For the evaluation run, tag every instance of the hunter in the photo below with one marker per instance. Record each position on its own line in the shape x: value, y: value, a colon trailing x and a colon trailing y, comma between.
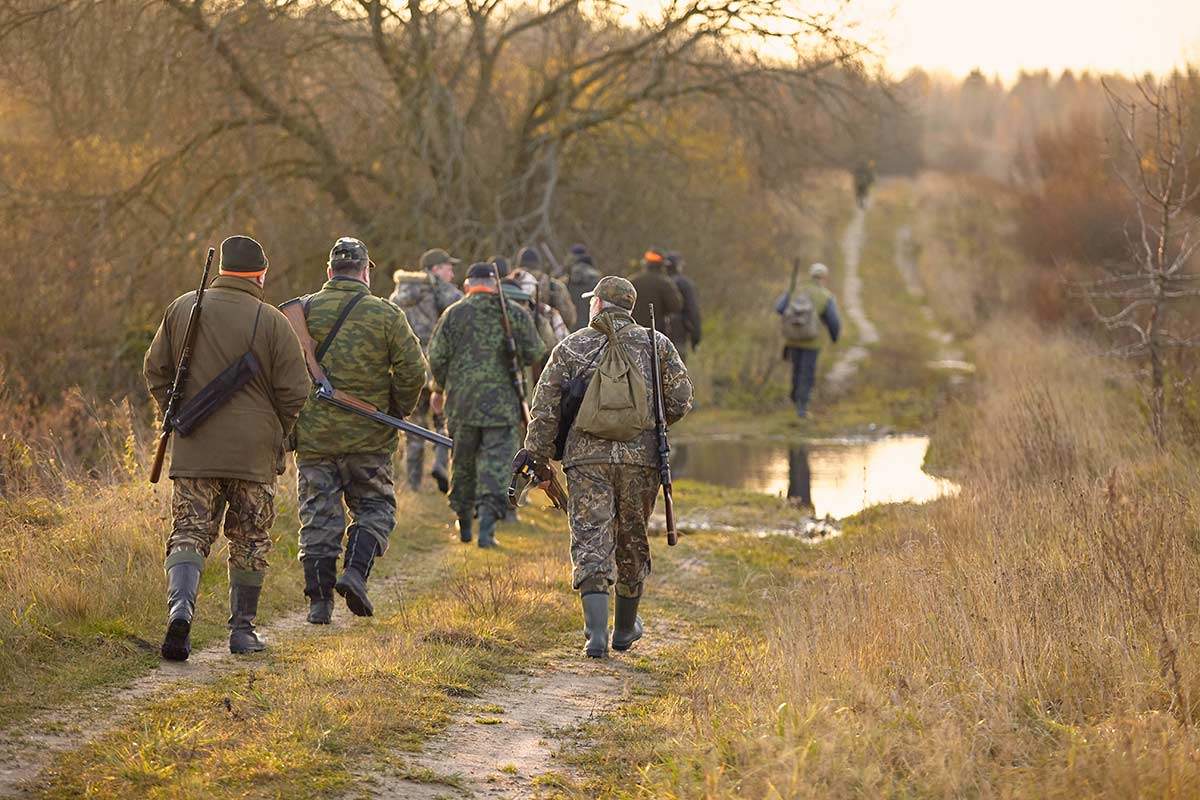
x: 655, y: 287
x: 582, y: 275
x: 423, y: 296
x: 344, y: 461
x: 803, y: 310
x: 684, y: 326
x: 613, y: 484
x: 550, y: 290
x: 470, y: 362
x: 227, y: 466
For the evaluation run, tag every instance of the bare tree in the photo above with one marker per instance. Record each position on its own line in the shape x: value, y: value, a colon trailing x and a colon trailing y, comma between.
x: 1160, y: 148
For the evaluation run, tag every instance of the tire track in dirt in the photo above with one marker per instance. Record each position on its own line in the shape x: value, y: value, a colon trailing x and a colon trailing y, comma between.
x: 30, y: 747
x: 950, y: 357
x: 842, y: 373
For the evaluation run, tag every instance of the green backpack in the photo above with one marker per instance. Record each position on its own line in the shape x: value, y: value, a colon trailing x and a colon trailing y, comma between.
x: 614, y: 406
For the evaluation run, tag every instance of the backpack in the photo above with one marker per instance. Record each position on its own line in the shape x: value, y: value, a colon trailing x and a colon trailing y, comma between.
x: 615, y: 405
x: 800, y: 319
x: 415, y: 295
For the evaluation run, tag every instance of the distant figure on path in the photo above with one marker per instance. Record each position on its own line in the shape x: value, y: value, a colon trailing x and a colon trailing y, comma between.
x: 803, y: 310
x: 582, y: 276
x: 864, y: 177
x: 684, y: 327
x: 228, y: 465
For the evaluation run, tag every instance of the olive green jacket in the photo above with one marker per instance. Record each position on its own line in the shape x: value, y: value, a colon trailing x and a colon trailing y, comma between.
x: 375, y: 357
x: 244, y: 438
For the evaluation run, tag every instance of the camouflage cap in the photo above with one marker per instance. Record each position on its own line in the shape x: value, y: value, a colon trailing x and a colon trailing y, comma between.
x: 616, y: 290
x: 241, y: 254
x: 431, y: 258
x: 347, y: 249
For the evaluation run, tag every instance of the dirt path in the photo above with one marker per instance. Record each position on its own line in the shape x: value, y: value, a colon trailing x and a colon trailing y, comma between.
x: 27, y: 749
x: 510, y: 740
x: 950, y: 357
x: 846, y: 367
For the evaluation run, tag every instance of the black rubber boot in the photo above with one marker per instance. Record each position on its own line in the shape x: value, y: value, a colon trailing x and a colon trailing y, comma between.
x: 487, y: 528
x: 465, y: 525
x: 627, y: 625
x: 243, y: 608
x: 319, y: 576
x: 441, y: 478
x: 183, y: 581
x: 360, y: 556
x: 595, y: 623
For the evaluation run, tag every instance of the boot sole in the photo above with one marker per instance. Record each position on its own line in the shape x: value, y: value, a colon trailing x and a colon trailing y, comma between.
x: 175, y: 645
x: 596, y: 653
x: 359, y: 606
x: 242, y: 651
x: 625, y: 646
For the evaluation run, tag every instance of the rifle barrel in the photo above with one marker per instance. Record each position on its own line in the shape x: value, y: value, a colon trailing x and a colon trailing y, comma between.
x: 182, y: 367
x: 660, y: 430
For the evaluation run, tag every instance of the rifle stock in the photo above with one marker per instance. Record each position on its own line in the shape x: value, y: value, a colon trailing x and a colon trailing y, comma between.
x: 660, y: 430
x: 182, y: 367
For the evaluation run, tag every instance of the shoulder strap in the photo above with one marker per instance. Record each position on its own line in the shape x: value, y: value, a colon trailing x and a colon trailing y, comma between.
x: 337, y: 326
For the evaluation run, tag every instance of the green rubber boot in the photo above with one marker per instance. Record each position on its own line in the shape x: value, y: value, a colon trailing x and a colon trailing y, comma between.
x: 595, y: 623
x: 627, y: 626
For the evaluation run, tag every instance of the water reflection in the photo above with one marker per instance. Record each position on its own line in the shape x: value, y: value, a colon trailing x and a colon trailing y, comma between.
x: 836, y: 479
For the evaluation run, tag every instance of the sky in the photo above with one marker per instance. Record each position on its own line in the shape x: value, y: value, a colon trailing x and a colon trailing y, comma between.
x: 1001, y: 37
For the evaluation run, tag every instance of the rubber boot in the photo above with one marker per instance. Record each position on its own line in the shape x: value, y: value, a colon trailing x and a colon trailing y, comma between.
x: 361, y: 548
x: 595, y: 623
x: 243, y: 608
x: 465, y: 524
x: 319, y: 576
x: 627, y: 625
x: 183, y: 581
x: 487, y: 528
x: 441, y: 478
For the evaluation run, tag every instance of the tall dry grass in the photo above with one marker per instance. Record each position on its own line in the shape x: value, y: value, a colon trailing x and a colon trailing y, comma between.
x: 1036, y: 635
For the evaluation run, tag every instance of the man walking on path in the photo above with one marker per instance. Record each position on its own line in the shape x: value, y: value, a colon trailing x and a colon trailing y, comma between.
x: 803, y: 310
x: 656, y: 288
x: 228, y: 465
x: 550, y: 290
x: 613, y: 485
x: 582, y: 275
x: 470, y: 363
x: 368, y: 350
x: 423, y: 296
x: 685, y: 326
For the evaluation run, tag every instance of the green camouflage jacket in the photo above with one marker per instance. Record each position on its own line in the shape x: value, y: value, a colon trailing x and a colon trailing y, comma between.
x: 468, y: 360
x: 580, y: 352
x: 375, y: 357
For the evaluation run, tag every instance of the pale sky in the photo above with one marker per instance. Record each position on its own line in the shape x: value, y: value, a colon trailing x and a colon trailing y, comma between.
x: 1002, y: 36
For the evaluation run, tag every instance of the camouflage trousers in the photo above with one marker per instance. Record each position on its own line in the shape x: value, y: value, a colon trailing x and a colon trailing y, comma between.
x: 609, y: 507
x: 481, y: 468
x: 197, y: 506
x: 328, y: 487
x: 414, y: 446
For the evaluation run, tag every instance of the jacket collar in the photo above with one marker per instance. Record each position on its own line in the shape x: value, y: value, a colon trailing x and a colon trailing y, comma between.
x: 342, y: 283
x: 237, y: 284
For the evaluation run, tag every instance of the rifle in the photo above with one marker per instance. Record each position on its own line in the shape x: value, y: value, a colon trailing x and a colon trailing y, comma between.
x: 181, y: 373
x: 556, y: 269
x: 527, y: 472
x: 660, y: 430
x: 294, y: 311
x: 510, y: 347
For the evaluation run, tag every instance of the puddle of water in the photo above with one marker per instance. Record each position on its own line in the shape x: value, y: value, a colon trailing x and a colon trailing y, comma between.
x: 836, y: 479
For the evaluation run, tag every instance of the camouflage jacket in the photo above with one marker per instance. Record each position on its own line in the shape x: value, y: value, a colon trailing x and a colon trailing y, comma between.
x: 469, y: 362
x: 423, y: 297
x: 580, y: 352
x: 375, y: 357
